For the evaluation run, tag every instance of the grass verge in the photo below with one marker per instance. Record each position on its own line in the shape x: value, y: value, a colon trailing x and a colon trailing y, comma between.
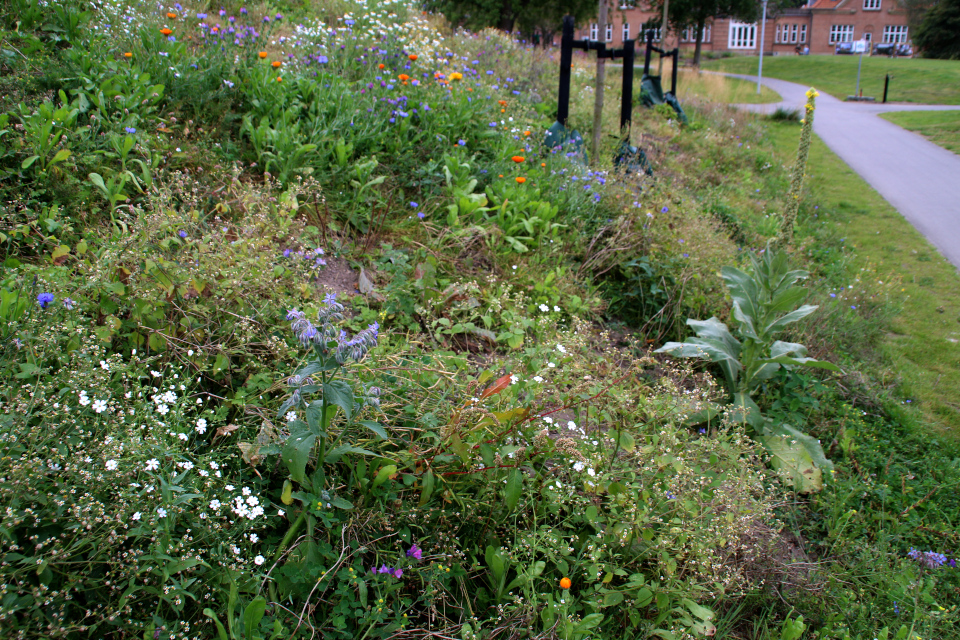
x: 921, y: 351
x: 939, y: 127
x: 912, y: 80
x: 712, y: 88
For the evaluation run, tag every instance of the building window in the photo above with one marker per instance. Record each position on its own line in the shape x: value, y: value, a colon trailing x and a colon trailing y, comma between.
x: 626, y: 31
x: 690, y: 34
x: 803, y: 33
x: 776, y: 38
x: 594, y: 32
x: 793, y: 33
x: 895, y: 34
x: 868, y: 37
x: 871, y: 5
x: 742, y: 35
x: 841, y: 33
x: 608, y: 33
x: 649, y: 28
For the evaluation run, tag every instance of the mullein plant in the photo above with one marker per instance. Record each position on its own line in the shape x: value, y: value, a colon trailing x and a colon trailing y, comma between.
x: 799, y: 171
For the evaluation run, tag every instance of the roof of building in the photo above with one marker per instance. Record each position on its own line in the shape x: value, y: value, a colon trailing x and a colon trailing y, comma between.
x: 826, y: 4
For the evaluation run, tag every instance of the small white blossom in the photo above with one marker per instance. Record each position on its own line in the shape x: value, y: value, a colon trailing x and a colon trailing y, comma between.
x: 514, y: 379
x: 578, y: 466
x: 111, y: 465
x: 162, y: 409
x: 152, y: 465
x: 544, y: 308
x: 291, y: 416
x: 105, y: 365
x: 259, y: 560
x: 162, y: 512
x: 561, y: 348
x: 537, y: 379
x: 201, y: 426
x: 215, y: 504
x: 137, y: 515
x: 254, y: 538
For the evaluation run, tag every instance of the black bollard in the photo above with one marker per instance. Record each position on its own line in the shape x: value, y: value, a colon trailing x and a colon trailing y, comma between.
x: 886, y: 85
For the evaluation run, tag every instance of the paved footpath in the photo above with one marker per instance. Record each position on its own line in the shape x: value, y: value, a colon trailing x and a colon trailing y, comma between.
x: 920, y: 179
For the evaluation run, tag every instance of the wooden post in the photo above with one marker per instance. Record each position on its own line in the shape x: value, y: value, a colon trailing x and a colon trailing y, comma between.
x: 566, y: 59
x: 663, y: 35
x: 598, y: 91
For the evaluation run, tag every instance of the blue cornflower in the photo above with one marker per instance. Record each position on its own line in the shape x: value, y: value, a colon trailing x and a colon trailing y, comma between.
x: 44, y: 299
x: 182, y: 233
x: 130, y: 130
x: 421, y: 215
x: 462, y: 143
x: 414, y: 205
x: 201, y: 16
x: 665, y: 209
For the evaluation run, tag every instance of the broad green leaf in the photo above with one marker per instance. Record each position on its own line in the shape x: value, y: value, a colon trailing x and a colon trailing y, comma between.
x: 613, y: 598
x: 221, y: 632
x: 513, y: 489
x: 339, y: 393
x: 28, y: 162
x: 253, y: 614
x: 375, y: 427
x: 296, y: 454
x: 811, y: 444
x: 589, y: 622
x: 62, y: 155
x: 334, y: 455
x: 384, y: 474
x: 793, y: 459
x: 428, y: 483
x: 699, y: 611
x: 789, y: 318
x: 745, y: 410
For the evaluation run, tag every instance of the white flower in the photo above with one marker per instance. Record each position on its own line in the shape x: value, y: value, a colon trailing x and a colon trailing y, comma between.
x: 201, y: 426
x: 551, y: 365
x: 105, y: 365
x: 561, y: 348
x: 256, y: 512
x: 214, y: 466
x: 591, y: 472
x: 537, y: 379
x: 514, y: 379
x: 111, y: 465
x: 548, y: 419
x: 259, y: 560
x: 190, y: 352
x: 137, y: 515
x: 544, y: 308
x: 245, y: 491
x: 235, y: 549
x: 204, y: 473
x: 162, y: 512
x: 162, y: 409
x: 84, y: 400
x: 291, y: 416
x: 556, y: 308
x: 155, y: 374
x: 571, y: 425
x: 127, y: 395
x: 185, y: 465
x: 254, y: 538
x: 214, y: 504
x: 229, y: 487
x: 280, y: 512
x: 183, y: 436
x: 152, y: 465
x: 578, y: 466
x: 253, y: 501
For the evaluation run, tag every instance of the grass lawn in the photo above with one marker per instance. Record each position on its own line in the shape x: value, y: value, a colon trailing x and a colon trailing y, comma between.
x: 940, y: 127
x: 922, y: 348
x: 913, y: 80
x: 713, y: 88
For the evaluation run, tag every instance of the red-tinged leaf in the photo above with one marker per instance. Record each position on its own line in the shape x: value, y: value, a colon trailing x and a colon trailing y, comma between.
x: 497, y: 387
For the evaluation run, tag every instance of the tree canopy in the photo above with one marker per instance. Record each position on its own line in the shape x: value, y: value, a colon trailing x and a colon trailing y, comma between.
x: 939, y: 34
x: 530, y: 17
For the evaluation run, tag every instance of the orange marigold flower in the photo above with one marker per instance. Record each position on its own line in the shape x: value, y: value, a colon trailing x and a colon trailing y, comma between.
x: 262, y: 54
x: 456, y: 75
x: 543, y: 164
x: 276, y: 64
x: 404, y: 77
x: 501, y: 175
x: 279, y: 79
x: 520, y: 179
x: 518, y: 159
x: 380, y: 66
x: 469, y: 88
x: 526, y: 133
x: 166, y: 31
x: 171, y: 15
x: 502, y: 103
x: 565, y: 583
x: 128, y: 55
x: 413, y: 57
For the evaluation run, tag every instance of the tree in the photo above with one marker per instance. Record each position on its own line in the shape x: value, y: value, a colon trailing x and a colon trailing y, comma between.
x: 939, y: 33
x: 541, y: 18
x: 695, y: 13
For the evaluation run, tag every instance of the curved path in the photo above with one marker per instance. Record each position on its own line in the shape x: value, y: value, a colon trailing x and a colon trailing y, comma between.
x: 920, y: 179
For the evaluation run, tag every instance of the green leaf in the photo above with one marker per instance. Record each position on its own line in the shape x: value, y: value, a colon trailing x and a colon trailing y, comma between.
x: 296, y: 454
x: 253, y: 614
x: 221, y: 632
x: 384, y: 474
x: 789, y: 318
x: 428, y: 483
x: 62, y: 155
x: 375, y: 427
x: 513, y: 489
x: 339, y: 393
x: 745, y: 410
x: 589, y: 622
x: 612, y: 599
x: 699, y: 611
x: 28, y: 162
x: 335, y: 454
x: 795, y: 460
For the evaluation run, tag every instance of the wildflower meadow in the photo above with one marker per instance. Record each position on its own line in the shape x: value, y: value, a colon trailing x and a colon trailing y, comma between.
x: 305, y: 333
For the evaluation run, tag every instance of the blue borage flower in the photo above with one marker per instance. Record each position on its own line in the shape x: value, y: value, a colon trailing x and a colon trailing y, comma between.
x: 327, y: 336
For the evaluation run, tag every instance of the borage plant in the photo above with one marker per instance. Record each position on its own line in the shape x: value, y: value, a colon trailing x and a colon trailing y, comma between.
x: 313, y: 439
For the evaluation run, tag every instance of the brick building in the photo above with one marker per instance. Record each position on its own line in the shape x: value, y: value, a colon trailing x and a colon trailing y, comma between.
x: 819, y: 26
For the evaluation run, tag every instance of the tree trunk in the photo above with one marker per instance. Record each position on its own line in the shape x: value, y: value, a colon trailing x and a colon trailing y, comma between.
x: 598, y: 90
x: 701, y: 23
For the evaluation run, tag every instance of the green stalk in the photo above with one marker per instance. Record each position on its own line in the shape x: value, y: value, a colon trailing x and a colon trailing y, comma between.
x: 796, y: 184
x: 291, y: 532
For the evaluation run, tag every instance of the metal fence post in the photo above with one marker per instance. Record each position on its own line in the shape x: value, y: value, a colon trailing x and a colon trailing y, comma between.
x: 566, y: 59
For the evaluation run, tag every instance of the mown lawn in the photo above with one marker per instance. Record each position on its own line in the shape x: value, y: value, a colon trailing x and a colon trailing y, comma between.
x: 939, y: 127
x: 912, y: 79
x: 922, y: 346
x: 714, y: 88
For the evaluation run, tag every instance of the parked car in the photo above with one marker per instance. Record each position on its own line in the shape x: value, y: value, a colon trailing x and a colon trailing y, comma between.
x: 893, y: 49
x: 844, y: 48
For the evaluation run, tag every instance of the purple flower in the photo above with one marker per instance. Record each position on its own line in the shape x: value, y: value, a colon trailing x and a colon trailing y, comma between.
x: 421, y: 215
x: 69, y: 303
x: 129, y: 129
x: 266, y: 18
x: 414, y: 205
x: 279, y: 16
x: 398, y: 573
x: 182, y: 233
x: 286, y: 253
x: 243, y: 11
x: 201, y: 16
x: 385, y: 569
x: 415, y: 552
x: 665, y: 209
x: 462, y: 143
x: 44, y: 299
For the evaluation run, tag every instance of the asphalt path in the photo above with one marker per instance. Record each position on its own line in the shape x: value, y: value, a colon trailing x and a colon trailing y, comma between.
x: 920, y: 179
